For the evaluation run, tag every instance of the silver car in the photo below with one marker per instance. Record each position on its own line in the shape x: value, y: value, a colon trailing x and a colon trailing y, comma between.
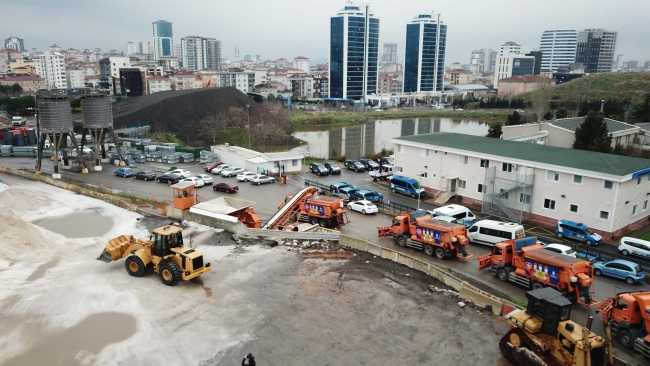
x: 260, y: 179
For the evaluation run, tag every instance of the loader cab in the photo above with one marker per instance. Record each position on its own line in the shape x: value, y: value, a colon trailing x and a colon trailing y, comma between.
x: 550, y: 306
x: 165, y: 238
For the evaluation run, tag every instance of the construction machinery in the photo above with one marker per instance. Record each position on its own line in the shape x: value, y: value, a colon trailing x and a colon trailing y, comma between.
x: 544, y: 335
x: 326, y: 211
x: 525, y: 262
x: 163, y: 252
x: 418, y: 230
x: 628, y: 316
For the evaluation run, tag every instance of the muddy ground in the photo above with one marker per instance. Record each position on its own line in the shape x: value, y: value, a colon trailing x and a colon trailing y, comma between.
x: 60, y: 306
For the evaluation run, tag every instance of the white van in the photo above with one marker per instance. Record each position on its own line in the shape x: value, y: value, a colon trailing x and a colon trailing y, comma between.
x: 634, y: 246
x: 491, y: 232
x: 456, y: 211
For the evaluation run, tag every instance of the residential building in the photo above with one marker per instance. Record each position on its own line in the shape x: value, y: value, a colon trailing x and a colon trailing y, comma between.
x: 301, y: 63
x: 93, y: 81
x: 7, y: 56
x: 459, y: 77
x: 632, y: 65
x: 157, y: 84
x: 617, y: 65
x: 558, y: 48
x: 260, y: 74
x: 523, y: 84
x: 354, y: 48
x: 519, y: 181
x: 244, y: 81
x: 29, y: 83
x: 321, y: 86
x: 595, y: 50
x: 14, y: 43
x: 184, y: 80
x: 455, y: 66
x: 130, y: 49
x: 390, y: 53
x: 266, y: 89
x: 75, y: 78
x: 511, y: 64
x: 424, y: 59
x: 561, y: 132
x: 51, y: 67
x: 486, y: 57
x: 145, y: 48
x: 192, y: 53
x: 510, y: 47
x: 303, y: 86
x: 163, y: 41
x: 387, y: 82
x: 211, y: 53
x: 132, y: 82
x: 114, y: 65
x: 538, y: 61
x: 54, y: 48
x: 169, y: 62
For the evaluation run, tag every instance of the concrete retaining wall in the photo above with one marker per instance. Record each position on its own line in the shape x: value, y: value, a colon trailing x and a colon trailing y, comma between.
x: 234, y: 227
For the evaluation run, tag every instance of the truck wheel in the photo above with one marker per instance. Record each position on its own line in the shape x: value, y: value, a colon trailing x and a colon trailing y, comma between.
x: 537, y: 286
x: 502, y: 274
x: 625, y: 338
x: 134, y: 266
x: 401, y: 241
x: 428, y: 250
x: 323, y: 223
x: 170, y: 274
x: 313, y: 220
x: 440, y: 254
x: 560, y: 235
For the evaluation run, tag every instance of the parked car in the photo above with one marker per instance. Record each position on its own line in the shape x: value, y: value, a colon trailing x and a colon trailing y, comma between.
x: 332, y: 167
x: 124, y: 172
x: 336, y: 187
x: 206, y: 178
x: 145, y: 175
x: 220, y: 168
x: 318, y: 169
x: 245, y: 176
x: 341, y: 195
x: 363, y: 206
x: 198, y: 182
x: 208, y: 168
x: 354, y: 165
x: 368, y: 195
x: 349, y: 190
x: 634, y: 246
x: 182, y: 173
x: 622, y: 269
x: 225, y: 187
x: 168, y: 178
x: 562, y: 249
x: 577, y: 231
x: 261, y: 179
x: 232, y: 172
x: 369, y: 164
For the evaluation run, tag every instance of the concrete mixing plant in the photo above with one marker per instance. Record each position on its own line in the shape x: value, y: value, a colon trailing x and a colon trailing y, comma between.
x: 98, y: 124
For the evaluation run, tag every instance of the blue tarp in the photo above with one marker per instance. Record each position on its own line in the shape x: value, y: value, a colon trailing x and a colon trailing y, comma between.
x: 525, y: 242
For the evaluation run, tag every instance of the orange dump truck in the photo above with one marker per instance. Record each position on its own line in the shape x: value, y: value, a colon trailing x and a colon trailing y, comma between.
x: 325, y: 211
x: 628, y: 315
x: 418, y: 230
x: 525, y: 262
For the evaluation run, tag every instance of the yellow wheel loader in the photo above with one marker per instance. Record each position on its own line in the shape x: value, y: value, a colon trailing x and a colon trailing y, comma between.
x: 544, y: 335
x: 163, y: 252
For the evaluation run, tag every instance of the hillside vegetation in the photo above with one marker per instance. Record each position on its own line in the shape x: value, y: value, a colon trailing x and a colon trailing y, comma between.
x: 299, y: 118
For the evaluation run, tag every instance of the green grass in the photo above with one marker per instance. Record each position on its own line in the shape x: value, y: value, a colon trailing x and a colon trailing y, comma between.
x: 645, y: 236
x: 138, y: 200
x: 166, y: 137
x: 306, y: 118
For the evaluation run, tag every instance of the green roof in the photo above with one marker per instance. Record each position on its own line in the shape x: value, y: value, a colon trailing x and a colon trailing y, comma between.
x: 570, y: 158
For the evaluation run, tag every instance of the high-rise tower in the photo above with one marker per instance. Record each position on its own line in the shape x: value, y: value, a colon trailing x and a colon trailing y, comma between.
x: 424, y: 59
x: 163, y: 41
x: 558, y: 48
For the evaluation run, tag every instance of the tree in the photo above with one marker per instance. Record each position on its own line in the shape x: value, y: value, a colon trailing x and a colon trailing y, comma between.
x: 548, y: 116
x: 642, y: 111
x: 17, y: 89
x: 561, y: 113
x: 541, y: 99
x: 294, y: 98
x: 592, y: 135
x: 514, y: 119
x: 494, y: 131
x: 619, y: 149
x: 270, y: 97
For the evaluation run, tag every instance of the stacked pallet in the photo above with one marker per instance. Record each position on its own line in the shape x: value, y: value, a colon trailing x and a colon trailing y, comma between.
x: 207, y: 157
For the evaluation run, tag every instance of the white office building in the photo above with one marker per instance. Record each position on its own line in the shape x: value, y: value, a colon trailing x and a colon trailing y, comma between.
x: 51, y: 67
x: 301, y: 63
x: 486, y: 57
x: 75, y: 78
x: 130, y: 49
x: 558, y: 48
x: 509, y: 47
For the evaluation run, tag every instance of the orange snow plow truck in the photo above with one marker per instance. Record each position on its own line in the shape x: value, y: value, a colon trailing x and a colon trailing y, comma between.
x: 418, y: 230
x: 525, y: 262
x: 628, y: 316
x: 326, y: 211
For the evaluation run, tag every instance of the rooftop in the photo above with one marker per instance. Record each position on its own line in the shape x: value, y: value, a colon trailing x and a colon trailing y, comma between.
x: 573, y: 123
x: 616, y: 165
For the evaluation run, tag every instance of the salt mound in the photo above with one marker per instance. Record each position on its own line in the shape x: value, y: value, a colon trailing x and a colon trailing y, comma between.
x: 20, y: 239
x: 22, y: 201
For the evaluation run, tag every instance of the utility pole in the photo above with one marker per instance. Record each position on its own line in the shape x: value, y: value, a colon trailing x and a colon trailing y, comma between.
x: 248, y: 126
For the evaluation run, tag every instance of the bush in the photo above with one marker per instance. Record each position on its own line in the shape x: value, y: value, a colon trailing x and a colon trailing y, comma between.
x: 341, y: 158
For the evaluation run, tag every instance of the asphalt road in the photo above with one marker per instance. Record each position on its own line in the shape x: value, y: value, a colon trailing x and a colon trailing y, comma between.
x: 268, y: 197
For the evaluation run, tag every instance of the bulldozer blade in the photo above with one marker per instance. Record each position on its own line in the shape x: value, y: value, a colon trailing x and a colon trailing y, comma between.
x: 527, y: 357
x: 105, y: 257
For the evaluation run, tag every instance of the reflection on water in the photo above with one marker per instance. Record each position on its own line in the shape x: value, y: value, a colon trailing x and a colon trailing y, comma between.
x: 371, y: 137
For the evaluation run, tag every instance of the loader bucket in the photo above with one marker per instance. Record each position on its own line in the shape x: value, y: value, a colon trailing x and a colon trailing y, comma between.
x: 105, y: 257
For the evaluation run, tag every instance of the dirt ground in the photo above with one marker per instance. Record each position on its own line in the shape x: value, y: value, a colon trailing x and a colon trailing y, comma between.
x: 60, y: 306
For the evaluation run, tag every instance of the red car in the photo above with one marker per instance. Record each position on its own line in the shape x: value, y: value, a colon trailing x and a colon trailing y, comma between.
x: 209, y: 167
x: 225, y: 187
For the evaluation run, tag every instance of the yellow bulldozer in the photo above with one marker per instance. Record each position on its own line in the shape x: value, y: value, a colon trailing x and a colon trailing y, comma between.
x: 163, y: 252
x: 544, y: 335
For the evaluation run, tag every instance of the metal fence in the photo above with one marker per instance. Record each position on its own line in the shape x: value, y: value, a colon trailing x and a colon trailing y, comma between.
x: 383, y: 205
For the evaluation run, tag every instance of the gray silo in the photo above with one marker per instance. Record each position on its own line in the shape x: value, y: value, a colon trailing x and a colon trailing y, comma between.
x: 98, y: 124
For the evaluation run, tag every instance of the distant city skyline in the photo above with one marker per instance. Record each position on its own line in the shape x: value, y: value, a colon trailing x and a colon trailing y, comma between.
x: 475, y: 27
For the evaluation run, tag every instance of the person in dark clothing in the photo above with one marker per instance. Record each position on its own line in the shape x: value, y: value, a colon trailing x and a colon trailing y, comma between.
x: 251, y: 360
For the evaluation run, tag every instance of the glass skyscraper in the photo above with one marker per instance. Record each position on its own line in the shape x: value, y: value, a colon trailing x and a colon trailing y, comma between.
x: 354, y: 53
x: 424, y: 60
x: 163, y: 41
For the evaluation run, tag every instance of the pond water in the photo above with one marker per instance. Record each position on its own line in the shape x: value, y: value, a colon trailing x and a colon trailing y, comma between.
x: 364, y: 139
x: 82, y: 224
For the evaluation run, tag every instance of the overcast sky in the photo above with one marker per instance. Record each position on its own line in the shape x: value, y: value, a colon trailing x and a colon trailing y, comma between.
x: 290, y: 28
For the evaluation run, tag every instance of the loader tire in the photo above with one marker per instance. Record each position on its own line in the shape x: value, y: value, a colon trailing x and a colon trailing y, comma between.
x: 170, y: 274
x: 134, y: 266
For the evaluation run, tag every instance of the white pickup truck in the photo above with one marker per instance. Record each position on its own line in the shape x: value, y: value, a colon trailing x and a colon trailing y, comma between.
x: 384, y: 172
x: 18, y: 121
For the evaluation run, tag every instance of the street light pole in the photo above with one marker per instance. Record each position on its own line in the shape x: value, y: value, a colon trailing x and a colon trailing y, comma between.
x: 249, y: 126
x: 420, y: 183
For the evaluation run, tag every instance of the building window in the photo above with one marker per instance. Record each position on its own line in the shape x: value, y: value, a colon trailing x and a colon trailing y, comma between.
x: 577, y: 179
x: 638, y: 181
x: 604, y: 215
x: 480, y: 188
x: 549, y: 204
x: 645, y: 205
x: 524, y: 198
x: 552, y: 175
x: 608, y: 185
x: 462, y: 184
x: 425, y: 153
x: 294, y: 162
x: 463, y: 159
x: 634, y: 209
x: 573, y: 208
x: 400, y: 148
x: 424, y: 174
x: 485, y: 163
x: 399, y: 169
x: 506, y: 167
